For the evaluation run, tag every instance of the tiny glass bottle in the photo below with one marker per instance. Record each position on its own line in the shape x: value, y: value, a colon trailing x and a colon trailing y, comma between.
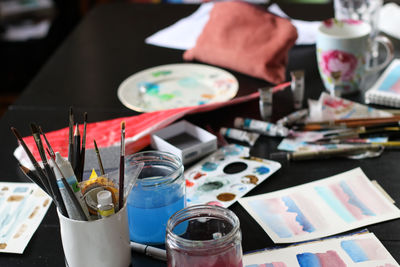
x: 105, y: 206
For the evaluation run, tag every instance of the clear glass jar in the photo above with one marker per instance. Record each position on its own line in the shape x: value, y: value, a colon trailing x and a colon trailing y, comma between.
x: 204, y: 236
x: 159, y: 192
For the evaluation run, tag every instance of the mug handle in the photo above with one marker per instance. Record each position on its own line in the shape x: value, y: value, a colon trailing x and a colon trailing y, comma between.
x: 389, y: 53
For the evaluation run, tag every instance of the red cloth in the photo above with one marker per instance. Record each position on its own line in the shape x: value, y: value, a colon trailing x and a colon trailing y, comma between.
x: 245, y: 38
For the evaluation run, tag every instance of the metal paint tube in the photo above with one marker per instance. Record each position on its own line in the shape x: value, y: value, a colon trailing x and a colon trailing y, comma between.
x: 67, y: 171
x: 293, y: 117
x: 265, y: 102
x: 240, y: 135
x: 262, y: 127
x: 297, y: 87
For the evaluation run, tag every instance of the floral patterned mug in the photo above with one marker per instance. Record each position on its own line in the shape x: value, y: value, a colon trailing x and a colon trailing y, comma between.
x: 343, y: 50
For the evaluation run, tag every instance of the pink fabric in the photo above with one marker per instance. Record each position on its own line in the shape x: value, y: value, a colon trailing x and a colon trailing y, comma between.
x: 247, y: 39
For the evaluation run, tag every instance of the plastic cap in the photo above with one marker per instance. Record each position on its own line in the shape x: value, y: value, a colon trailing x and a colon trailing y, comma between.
x: 238, y: 123
x: 104, y: 197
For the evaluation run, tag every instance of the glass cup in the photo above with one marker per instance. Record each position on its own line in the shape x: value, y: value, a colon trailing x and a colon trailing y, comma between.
x: 159, y: 192
x: 204, y: 236
x: 365, y: 10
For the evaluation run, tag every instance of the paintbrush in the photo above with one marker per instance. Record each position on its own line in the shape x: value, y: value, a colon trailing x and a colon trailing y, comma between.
x: 83, y: 148
x: 32, y: 176
x: 50, y: 174
x: 38, y: 169
x: 122, y: 167
x: 47, y: 142
x: 70, y: 137
x: 98, y: 158
x: 77, y: 151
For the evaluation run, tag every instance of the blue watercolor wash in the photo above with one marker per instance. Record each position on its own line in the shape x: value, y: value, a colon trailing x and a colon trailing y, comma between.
x: 202, y: 102
x: 355, y: 201
x: 262, y: 170
x: 308, y: 260
x: 390, y: 80
x: 151, y: 88
x: 335, y: 204
x: 273, y: 221
x: 188, y: 82
x: 355, y: 252
x: 209, y: 166
x: 300, y: 218
x: 21, y: 189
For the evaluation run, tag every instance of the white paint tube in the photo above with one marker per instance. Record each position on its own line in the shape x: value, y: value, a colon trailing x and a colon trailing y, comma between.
x: 240, y: 135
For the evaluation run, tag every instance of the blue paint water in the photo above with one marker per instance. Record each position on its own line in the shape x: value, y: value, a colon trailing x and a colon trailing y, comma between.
x: 355, y: 252
x: 149, y: 211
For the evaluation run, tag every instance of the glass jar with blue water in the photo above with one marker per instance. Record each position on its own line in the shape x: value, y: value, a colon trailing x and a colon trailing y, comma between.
x: 158, y: 193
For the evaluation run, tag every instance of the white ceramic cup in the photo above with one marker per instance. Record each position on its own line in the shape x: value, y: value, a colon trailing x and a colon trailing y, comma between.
x: 343, y: 48
x: 101, y: 243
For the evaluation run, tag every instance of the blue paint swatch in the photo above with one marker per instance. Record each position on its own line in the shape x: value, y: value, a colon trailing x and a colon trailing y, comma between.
x: 308, y: 260
x: 300, y: 218
x: 390, y: 80
x: 355, y: 252
x: 262, y: 170
x: 334, y: 203
x: 355, y: 201
x: 209, y: 166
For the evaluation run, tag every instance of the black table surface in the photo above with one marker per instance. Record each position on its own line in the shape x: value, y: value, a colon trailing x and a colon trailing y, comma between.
x: 107, y: 47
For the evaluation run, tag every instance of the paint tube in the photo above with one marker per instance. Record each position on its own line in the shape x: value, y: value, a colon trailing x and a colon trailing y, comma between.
x: 66, y: 171
x: 293, y: 117
x: 240, y: 135
x: 262, y: 127
x: 265, y: 102
x: 105, y: 206
x: 297, y: 87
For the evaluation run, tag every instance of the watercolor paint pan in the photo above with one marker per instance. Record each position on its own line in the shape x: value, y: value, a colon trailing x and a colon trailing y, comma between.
x: 226, y: 175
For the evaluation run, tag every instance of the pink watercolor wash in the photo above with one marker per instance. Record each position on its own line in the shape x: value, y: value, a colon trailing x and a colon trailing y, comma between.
x: 330, y: 258
x: 339, y: 65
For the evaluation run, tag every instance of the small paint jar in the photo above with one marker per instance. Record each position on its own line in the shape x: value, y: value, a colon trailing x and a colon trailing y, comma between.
x: 158, y: 193
x: 204, y: 236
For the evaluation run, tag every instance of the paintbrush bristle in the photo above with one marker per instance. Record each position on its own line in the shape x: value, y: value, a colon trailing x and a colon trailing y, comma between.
x: 123, y: 125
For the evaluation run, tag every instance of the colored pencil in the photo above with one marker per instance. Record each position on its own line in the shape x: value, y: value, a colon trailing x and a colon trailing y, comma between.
x: 122, y: 167
x: 98, y: 157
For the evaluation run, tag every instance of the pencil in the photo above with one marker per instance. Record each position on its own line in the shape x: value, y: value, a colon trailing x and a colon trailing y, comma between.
x: 98, y: 158
x: 122, y: 167
x: 355, y: 122
x: 38, y: 169
x: 70, y: 137
x: 77, y: 152
x: 83, y: 148
x: 50, y: 174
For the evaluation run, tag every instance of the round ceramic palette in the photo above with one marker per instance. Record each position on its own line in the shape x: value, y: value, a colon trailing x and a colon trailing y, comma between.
x: 226, y: 175
x: 176, y: 85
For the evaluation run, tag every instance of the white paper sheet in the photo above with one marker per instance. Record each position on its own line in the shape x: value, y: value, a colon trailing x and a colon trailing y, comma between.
x: 353, y: 250
x: 22, y: 208
x: 322, y: 208
x: 183, y: 34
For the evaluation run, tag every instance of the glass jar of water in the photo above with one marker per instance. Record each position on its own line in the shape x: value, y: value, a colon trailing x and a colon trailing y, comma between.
x: 204, y: 236
x: 158, y: 193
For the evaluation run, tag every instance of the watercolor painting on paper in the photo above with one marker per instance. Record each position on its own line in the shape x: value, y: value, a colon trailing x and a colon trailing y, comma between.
x: 322, y: 208
x: 350, y: 250
x: 22, y: 208
x: 225, y: 176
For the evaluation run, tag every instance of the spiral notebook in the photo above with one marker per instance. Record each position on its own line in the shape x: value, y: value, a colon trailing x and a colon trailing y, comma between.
x: 386, y: 90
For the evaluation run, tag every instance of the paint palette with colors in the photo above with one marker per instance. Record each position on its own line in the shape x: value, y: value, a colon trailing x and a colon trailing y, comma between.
x: 225, y: 176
